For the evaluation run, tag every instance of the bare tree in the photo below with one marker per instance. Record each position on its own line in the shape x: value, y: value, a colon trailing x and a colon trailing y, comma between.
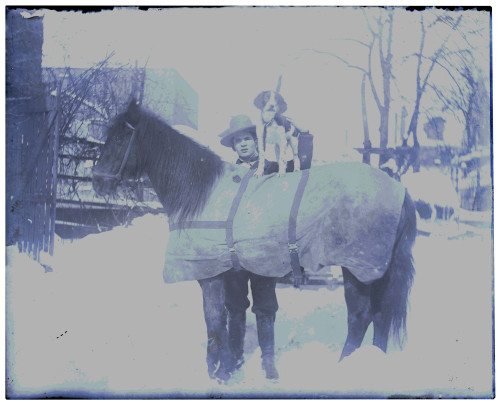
x: 379, y: 49
x: 423, y: 74
x: 467, y: 98
x: 367, y: 144
x: 384, y: 24
x: 89, y: 99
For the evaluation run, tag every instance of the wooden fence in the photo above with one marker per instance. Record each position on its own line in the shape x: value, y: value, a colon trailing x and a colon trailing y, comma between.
x: 31, y: 140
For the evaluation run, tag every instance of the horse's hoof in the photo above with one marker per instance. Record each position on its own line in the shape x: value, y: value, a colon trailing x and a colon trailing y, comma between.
x: 222, y: 375
x: 239, y: 363
x: 212, y: 367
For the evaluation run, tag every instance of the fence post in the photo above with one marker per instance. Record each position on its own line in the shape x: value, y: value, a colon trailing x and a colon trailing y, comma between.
x: 28, y: 158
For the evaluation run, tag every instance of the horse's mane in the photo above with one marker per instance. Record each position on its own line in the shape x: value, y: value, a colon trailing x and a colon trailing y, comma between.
x: 181, y: 170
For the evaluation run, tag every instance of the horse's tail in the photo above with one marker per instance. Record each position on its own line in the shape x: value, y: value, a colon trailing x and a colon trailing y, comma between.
x: 398, y: 279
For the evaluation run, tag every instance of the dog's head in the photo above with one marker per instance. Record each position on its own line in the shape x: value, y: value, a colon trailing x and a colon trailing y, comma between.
x: 271, y: 103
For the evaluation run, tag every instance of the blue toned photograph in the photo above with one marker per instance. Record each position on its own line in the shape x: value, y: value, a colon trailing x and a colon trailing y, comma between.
x: 249, y: 202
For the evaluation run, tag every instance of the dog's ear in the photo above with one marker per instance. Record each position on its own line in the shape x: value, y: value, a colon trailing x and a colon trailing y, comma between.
x: 281, y: 103
x: 261, y: 100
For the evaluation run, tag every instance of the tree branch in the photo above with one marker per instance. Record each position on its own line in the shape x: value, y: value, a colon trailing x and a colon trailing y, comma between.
x: 337, y: 57
x: 351, y: 40
x: 370, y: 78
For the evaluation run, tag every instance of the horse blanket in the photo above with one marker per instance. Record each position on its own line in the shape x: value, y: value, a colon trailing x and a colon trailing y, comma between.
x: 348, y: 216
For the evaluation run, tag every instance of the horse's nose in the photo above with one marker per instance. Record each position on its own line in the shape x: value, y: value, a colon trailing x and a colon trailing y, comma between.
x: 102, y: 187
x: 97, y: 184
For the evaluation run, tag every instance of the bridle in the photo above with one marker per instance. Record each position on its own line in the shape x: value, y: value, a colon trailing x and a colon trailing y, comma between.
x: 118, y: 175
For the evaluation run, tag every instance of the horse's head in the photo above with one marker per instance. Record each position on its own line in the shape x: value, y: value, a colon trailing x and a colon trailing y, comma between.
x: 181, y: 171
x: 119, y: 157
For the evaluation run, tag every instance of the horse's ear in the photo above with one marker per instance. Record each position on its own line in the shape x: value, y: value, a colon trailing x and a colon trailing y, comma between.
x: 132, y: 105
x: 133, y: 110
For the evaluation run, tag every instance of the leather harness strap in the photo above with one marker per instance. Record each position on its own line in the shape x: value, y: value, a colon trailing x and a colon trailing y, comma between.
x: 118, y: 175
x: 222, y: 224
x: 228, y: 225
x: 292, y: 230
x: 230, y: 218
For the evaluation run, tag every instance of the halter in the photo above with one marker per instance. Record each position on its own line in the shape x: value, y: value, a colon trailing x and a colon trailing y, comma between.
x: 118, y: 175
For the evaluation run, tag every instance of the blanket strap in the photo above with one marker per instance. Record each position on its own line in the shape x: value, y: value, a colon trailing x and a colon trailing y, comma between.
x: 292, y: 230
x: 221, y: 224
x: 228, y: 225
x: 230, y: 218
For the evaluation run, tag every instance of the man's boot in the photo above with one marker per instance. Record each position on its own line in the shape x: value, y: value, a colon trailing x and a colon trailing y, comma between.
x: 223, y: 373
x: 265, y: 333
x: 212, y: 357
x: 236, y: 331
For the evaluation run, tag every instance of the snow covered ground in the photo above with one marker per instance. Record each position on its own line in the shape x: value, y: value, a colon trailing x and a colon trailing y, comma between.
x: 103, y: 324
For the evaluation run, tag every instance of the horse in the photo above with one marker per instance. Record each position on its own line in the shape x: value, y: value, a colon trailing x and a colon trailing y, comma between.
x: 221, y: 216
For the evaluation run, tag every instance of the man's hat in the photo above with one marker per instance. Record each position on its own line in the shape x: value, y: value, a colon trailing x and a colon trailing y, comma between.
x: 238, y: 123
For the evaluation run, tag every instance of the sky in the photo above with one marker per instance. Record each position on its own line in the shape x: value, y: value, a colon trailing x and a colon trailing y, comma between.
x: 228, y: 55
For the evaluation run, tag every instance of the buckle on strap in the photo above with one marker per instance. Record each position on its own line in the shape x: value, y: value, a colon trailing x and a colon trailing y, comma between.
x: 232, y: 250
x: 293, y: 247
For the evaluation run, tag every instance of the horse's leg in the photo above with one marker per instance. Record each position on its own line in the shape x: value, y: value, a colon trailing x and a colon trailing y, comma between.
x: 215, y: 319
x: 390, y: 293
x: 381, y: 322
x: 357, y: 297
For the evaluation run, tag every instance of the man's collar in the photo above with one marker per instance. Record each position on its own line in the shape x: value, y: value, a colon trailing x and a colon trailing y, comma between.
x: 251, y: 161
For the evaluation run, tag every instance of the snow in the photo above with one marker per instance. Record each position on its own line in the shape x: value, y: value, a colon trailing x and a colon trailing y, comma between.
x: 103, y: 324
x: 433, y: 187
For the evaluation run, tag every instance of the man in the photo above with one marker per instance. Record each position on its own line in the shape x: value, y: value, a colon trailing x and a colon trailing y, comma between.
x: 241, y: 137
x: 243, y: 131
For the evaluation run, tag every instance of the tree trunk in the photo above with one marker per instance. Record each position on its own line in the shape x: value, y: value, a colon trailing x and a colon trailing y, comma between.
x: 413, y: 130
x: 386, y: 65
x: 384, y: 133
x: 366, y: 132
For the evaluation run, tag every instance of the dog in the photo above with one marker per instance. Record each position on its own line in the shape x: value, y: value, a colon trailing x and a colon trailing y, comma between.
x: 274, y: 128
